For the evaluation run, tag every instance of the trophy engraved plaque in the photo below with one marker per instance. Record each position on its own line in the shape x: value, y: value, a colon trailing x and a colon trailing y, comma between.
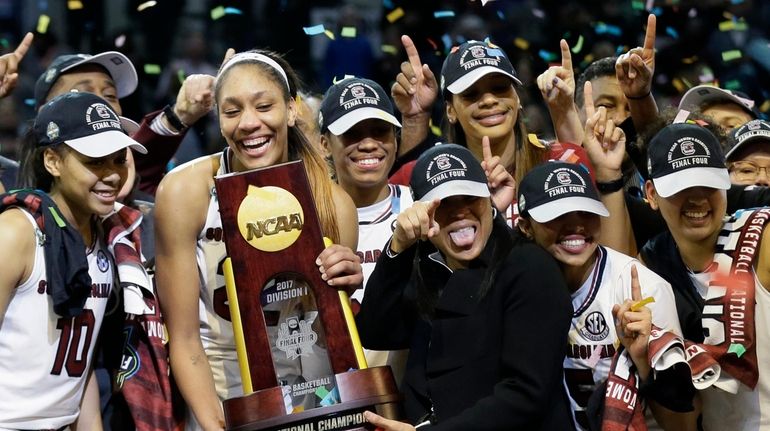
x: 302, y: 365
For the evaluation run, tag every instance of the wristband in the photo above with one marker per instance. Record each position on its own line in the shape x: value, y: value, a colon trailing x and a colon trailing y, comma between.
x: 175, y: 122
x: 639, y: 97
x: 610, y: 187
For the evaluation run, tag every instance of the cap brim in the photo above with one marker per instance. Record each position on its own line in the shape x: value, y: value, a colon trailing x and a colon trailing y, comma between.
x: 471, y: 77
x: 457, y: 188
x: 693, y: 100
x: 344, y: 123
x: 671, y: 184
x: 123, y: 74
x: 129, y: 125
x: 104, y: 144
x: 554, y: 209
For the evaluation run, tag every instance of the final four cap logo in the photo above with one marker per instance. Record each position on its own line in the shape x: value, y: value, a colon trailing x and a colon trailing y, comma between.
x: 270, y: 218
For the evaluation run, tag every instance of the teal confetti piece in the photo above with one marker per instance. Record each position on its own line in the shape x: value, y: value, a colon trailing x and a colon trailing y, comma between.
x: 314, y: 30
x: 4, y: 42
x: 547, y: 56
x: 637, y: 5
x: 233, y: 11
x: 388, y: 4
x: 738, y: 349
x: 321, y: 392
x: 443, y: 14
x: 603, y: 28
x: 671, y: 31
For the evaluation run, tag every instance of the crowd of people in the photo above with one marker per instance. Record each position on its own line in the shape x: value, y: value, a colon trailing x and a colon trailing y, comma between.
x: 614, y: 277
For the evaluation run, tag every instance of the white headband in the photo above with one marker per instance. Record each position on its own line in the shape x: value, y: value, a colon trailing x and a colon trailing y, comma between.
x: 255, y: 56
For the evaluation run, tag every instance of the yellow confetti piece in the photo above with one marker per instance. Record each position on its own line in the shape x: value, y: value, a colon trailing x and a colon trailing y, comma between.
x: 152, y: 69
x: 765, y: 106
x: 436, y: 130
x: 687, y: 82
x: 636, y: 306
x: 520, y: 43
x: 74, y: 5
x: 534, y: 140
x: 146, y: 5
x: 733, y: 54
x: 217, y: 12
x: 42, y: 23
x: 677, y: 83
x: 389, y: 49
x: 690, y: 60
x: 395, y: 15
x: 726, y: 25
x: 348, y: 32
x: 329, y: 34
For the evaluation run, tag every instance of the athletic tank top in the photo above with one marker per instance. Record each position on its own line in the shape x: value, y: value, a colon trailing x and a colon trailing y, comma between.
x: 44, y: 359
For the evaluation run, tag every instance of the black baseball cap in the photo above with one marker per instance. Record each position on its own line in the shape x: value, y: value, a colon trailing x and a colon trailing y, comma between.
x: 685, y: 155
x: 695, y: 98
x: 471, y: 61
x: 352, y: 100
x: 446, y: 170
x: 552, y: 189
x: 83, y: 121
x: 119, y: 67
x: 752, y: 131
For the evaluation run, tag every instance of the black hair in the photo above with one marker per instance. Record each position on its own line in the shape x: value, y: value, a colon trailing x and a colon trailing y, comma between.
x: 598, y: 69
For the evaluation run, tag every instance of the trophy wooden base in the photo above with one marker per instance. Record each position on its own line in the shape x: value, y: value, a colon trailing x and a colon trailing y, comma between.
x: 371, y: 389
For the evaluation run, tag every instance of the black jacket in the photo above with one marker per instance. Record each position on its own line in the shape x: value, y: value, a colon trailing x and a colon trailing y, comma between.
x: 491, y: 362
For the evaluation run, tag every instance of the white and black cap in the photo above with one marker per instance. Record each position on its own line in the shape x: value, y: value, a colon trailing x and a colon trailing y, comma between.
x: 702, y: 95
x: 85, y: 122
x: 553, y: 189
x: 446, y: 170
x: 685, y: 155
x: 352, y: 100
x: 750, y: 132
x: 470, y: 62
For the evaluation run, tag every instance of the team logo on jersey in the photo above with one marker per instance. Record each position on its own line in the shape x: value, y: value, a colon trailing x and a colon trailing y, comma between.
x: 595, y: 327
x: 270, y: 218
x: 296, y: 338
x: 101, y: 261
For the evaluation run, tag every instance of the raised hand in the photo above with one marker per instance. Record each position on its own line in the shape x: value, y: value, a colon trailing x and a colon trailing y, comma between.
x: 635, y: 68
x: 195, y: 98
x: 557, y: 84
x: 633, y: 327
x: 417, y: 222
x: 500, y: 181
x: 340, y: 267
x: 603, y: 140
x: 415, y: 89
x: 9, y: 66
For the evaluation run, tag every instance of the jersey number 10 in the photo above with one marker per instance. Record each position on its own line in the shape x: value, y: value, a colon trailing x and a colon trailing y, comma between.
x: 75, y: 340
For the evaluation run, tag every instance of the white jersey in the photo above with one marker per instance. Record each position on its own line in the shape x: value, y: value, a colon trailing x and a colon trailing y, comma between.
x: 592, y: 340
x: 375, y: 227
x: 747, y: 410
x: 45, y: 359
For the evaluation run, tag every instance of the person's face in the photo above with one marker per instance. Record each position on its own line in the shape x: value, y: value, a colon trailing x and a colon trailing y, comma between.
x: 728, y: 115
x: 465, y: 225
x: 751, y: 166
x: 254, y: 117
x: 694, y: 214
x: 571, y: 238
x: 88, y: 185
x: 607, y: 94
x: 364, y: 154
x: 489, y: 107
x: 89, y: 78
x: 128, y: 186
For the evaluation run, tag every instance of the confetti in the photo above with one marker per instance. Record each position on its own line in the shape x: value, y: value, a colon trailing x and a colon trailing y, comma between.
x: 146, y: 5
x: 636, y: 306
x: 233, y: 11
x: 348, y: 32
x: 637, y: 5
x: 501, y: 15
x: 42, y: 23
x: 534, y: 140
x: 736, y: 1
x: 388, y: 4
x: 733, y: 84
x: 731, y: 55
x: 329, y: 34
x: 395, y: 15
x: 765, y: 106
x: 707, y: 75
x: 29, y: 102
x: 314, y: 30
x: 677, y: 83
x: 74, y: 5
x: 578, y: 46
x: 389, y: 49
x: 736, y: 348
x: 4, y: 42
x: 436, y: 130
x: 152, y: 69
x: 602, y: 28
x: 692, y: 13
x: 180, y: 75
x: 690, y: 60
x: 671, y: 31
x: 447, y: 41
x: 547, y: 56
x: 433, y: 44
x: 520, y: 43
x: 443, y: 14
x: 217, y: 12
x: 120, y: 41
x: 649, y: 5
x: 538, y: 13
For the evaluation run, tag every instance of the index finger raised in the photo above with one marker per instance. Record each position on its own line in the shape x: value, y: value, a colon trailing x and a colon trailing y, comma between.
x: 588, y: 99
x: 412, y: 55
x: 566, y: 55
x: 649, y: 36
x: 486, y: 150
x: 636, y: 288
x: 24, y: 45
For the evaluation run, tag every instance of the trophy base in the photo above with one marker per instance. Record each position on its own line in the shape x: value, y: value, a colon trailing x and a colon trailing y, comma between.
x: 372, y: 389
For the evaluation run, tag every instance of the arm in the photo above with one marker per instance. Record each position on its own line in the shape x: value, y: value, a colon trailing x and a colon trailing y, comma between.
x: 414, y: 93
x: 634, y: 71
x: 90, y: 417
x: 339, y: 265
x: 557, y: 86
x: 16, y: 255
x: 180, y: 213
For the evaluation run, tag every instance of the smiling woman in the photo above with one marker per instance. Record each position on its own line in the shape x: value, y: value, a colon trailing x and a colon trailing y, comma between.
x: 255, y: 95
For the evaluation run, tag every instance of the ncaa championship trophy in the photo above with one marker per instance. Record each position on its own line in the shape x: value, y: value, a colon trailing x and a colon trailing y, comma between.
x: 301, y: 361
